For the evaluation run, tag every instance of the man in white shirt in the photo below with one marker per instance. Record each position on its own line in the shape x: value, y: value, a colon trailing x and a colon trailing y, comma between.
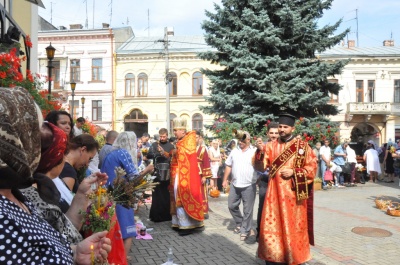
x: 325, y: 154
x: 242, y: 187
x: 78, y: 126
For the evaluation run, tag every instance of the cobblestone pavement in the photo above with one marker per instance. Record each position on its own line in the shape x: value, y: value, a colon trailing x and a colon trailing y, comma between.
x: 336, y: 213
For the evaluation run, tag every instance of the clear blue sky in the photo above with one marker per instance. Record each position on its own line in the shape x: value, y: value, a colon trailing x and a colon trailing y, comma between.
x: 377, y: 19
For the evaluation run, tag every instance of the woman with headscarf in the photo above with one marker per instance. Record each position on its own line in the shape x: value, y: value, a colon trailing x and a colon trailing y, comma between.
x: 45, y: 195
x: 124, y: 156
x: 230, y: 146
x: 28, y: 237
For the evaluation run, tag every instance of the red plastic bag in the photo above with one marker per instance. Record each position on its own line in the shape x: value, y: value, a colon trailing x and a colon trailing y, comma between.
x: 117, y: 254
x: 328, y: 175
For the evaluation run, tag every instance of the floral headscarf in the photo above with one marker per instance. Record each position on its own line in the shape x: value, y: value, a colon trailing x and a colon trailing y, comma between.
x: 127, y: 141
x: 19, y: 138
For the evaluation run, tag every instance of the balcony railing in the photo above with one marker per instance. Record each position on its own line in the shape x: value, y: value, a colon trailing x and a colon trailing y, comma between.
x: 370, y: 108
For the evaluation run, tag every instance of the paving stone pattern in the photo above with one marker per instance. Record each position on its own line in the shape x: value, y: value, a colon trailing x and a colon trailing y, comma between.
x: 336, y: 213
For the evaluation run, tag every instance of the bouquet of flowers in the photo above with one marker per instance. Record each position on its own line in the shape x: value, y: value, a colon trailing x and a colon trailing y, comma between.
x: 360, y: 168
x: 99, y: 213
x: 125, y: 191
x: 392, y: 149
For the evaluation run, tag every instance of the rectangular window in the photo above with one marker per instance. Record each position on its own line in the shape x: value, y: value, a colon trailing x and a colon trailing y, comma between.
x: 75, y: 70
x: 142, y: 87
x: 359, y: 91
x: 173, y: 87
x: 97, y: 69
x: 197, y: 83
x: 55, y: 75
x: 129, y: 87
x: 97, y: 110
x: 334, y: 98
x: 397, y: 90
x: 371, y: 90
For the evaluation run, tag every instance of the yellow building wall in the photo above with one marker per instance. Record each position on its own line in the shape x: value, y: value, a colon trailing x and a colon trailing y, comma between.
x: 25, y: 14
x: 154, y: 105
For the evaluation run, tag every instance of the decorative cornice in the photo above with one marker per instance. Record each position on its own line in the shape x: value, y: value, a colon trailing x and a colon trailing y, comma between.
x: 154, y: 57
x: 74, y: 37
x: 97, y: 51
x: 74, y: 52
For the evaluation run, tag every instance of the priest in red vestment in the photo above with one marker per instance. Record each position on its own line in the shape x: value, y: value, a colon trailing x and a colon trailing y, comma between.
x: 286, y: 230
x: 204, y: 169
x: 185, y: 189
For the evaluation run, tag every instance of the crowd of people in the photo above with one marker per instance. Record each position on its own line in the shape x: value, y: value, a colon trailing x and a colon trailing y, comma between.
x: 48, y: 168
x: 347, y: 168
x: 42, y: 161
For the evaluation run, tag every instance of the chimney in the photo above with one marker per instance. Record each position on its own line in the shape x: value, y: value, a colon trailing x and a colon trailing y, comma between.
x: 351, y: 43
x: 62, y: 28
x: 169, y: 31
x: 75, y: 26
x: 106, y: 25
x: 388, y: 43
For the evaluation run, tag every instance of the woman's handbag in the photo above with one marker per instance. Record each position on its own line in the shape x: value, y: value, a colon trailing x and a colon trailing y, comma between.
x: 346, y: 169
x: 328, y: 175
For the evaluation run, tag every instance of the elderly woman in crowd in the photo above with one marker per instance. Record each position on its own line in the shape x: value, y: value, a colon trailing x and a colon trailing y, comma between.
x: 124, y: 156
x: 28, y: 237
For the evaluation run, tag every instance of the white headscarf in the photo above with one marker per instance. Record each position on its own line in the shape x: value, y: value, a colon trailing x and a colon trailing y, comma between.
x: 127, y: 141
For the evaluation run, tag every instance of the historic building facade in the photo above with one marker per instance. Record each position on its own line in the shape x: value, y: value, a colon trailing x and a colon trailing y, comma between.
x: 86, y: 57
x: 141, y: 96
x: 369, y: 101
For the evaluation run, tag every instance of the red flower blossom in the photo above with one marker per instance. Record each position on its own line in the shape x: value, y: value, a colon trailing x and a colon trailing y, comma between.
x: 28, y: 41
x: 10, y: 76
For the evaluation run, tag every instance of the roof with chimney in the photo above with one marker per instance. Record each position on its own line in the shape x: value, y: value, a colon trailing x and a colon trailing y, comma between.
x: 387, y: 50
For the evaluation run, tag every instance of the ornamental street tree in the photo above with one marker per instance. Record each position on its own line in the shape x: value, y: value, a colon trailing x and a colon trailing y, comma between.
x: 267, y: 49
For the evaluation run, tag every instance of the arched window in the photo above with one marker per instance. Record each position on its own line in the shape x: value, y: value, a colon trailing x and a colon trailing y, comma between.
x: 129, y: 85
x: 197, y: 81
x: 173, y: 84
x: 171, y: 117
x: 136, y: 121
x: 142, y: 85
x: 197, y: 122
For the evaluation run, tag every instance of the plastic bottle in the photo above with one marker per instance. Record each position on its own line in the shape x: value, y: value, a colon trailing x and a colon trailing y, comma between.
x: 170, y: 257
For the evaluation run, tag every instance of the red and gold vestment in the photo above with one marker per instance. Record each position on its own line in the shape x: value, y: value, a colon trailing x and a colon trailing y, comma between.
x: 184, y: 164
x: 284, y: 232
x: 203, y: 162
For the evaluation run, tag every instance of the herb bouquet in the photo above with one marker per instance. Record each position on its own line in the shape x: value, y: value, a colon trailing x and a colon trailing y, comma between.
x: 100, y: 212
x: 126, y: 191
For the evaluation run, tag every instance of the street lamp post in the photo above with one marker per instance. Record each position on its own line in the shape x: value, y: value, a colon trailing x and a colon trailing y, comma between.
x: 50, y: 50
x: 83, y: 106
x: 73, y: 85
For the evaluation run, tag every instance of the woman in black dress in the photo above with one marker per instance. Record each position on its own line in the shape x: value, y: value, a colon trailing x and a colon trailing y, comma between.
x: 388, y: 161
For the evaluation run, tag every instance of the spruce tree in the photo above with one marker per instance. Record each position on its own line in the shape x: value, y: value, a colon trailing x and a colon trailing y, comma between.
x: 267, y: 49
